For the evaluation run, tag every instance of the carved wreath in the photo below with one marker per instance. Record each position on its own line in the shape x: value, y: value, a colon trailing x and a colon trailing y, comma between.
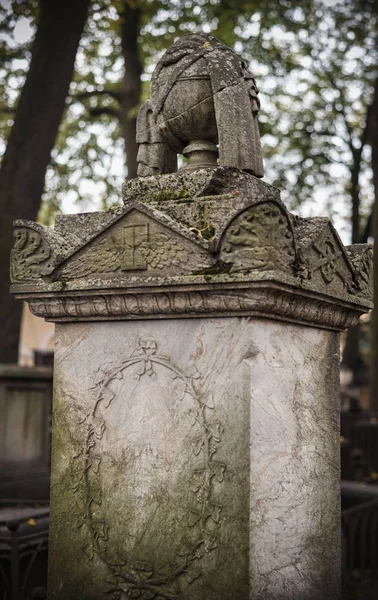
x: 141, y: 579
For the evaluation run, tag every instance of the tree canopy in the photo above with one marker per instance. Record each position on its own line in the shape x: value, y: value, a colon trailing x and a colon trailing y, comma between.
x: 315, y: 64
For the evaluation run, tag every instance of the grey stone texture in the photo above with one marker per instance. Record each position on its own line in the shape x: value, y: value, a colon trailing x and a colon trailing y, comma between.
x: 195, y: 434
x: 197, y: 243
x: 195, y: 459
x: 202, y: 94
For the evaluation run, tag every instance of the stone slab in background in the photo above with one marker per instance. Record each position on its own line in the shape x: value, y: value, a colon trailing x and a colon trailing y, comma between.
x: 25, y: 413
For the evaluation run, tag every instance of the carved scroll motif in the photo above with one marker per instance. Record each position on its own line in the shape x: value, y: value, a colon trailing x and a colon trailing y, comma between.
x: 30, y: 255
x: 259, y: 238
x: 140, y: 578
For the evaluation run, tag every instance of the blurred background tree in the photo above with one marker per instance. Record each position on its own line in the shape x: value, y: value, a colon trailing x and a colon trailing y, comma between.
x: 316, y: 66
x: 36, y: 117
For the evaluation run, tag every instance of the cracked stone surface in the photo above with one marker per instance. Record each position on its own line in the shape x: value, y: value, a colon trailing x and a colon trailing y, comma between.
x: 195, y: 420
x: 195, y: 459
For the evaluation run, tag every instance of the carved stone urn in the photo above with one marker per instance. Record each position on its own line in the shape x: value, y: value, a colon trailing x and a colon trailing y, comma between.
x: 202, y: 94
x: 188, y: 117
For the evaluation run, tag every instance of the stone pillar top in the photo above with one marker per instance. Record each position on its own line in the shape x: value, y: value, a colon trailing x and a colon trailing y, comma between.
x: 211, y: 242
x: 202, y: 94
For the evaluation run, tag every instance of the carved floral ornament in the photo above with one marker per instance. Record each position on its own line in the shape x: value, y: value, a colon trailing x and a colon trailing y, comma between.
x: 128, y: 577
x: 260, y: 239
x: 207, y: 224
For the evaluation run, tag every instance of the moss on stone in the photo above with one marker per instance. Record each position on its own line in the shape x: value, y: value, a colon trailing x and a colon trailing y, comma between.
x: 209, y: 232
x: 165, y: 195
x: 217, y: 270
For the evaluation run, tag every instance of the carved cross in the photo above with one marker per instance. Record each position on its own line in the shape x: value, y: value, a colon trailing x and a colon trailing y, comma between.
x: 134, y: 237
x: 328, y: 261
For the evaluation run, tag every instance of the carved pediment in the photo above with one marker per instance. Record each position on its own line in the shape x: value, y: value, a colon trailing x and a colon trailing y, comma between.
x: 322, y: 258
x: 136, y: 242
x: 361, y: 257
x: 150, y: 260
x: 259, y: 237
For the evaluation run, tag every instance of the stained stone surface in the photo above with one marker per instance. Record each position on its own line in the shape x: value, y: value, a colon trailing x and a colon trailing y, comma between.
x: 195, y: 459
x: 214, y: 242
x: 195, y: 436
x: 202, y: 94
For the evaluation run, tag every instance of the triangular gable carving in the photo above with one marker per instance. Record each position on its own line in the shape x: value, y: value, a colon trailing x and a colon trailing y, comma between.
x: 141, y: 240
x: 322, y: 258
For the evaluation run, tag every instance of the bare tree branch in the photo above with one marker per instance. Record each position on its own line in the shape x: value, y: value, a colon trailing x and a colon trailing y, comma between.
x: 105, y: 110
x: 7, y: 110
x: 117, y: 95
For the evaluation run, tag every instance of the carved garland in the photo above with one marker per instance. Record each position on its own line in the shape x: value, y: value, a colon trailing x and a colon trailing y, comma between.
x: 141, y: 579
x: 275, y: 304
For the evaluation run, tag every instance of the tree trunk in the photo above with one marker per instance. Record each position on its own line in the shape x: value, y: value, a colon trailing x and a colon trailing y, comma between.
x: 131, y: 92
x: 373, y: 138
x: 38, y: 115
x: 355, y: 196
x: 351, y: 355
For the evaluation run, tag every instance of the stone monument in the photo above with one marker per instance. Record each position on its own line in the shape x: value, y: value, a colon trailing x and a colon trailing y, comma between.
x: 196, y: 400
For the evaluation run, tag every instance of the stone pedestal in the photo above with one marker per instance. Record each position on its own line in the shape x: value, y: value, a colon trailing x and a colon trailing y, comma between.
x: 195, y: 435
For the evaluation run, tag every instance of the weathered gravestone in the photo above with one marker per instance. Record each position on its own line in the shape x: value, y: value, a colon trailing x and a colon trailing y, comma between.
x: 196, y: 436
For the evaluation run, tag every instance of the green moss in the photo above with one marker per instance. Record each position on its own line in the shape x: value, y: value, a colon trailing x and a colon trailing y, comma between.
x: 60, y: 285
x: 220, y: 268
x: 165, y: 195
x: 208, y: 233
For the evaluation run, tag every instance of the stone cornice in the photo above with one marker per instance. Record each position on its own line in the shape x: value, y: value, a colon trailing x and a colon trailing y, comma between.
x: 258, y: 299
x: 217, y: 242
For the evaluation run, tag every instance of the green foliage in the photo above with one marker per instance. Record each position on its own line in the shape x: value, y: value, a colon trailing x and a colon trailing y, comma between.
x: 317, y: 107
x: 315, y: 64
x: 16, y: 18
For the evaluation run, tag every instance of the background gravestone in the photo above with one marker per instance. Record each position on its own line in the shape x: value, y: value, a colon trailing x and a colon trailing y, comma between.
x: 195, y: 435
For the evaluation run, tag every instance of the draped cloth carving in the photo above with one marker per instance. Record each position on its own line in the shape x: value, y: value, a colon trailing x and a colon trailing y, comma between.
x: 200, y: 90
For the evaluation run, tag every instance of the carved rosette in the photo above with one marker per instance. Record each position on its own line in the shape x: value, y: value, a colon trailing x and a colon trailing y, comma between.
x: 141, y: 262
